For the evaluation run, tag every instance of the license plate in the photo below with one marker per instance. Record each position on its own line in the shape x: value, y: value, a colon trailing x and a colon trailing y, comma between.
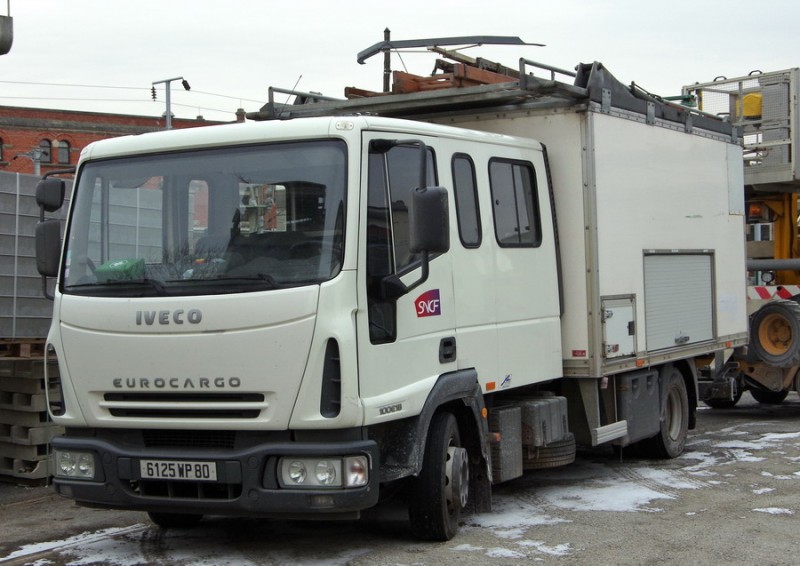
x: 178, y: 470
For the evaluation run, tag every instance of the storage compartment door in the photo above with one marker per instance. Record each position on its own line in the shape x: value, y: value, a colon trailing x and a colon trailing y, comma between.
x: 679, y: 299
x: 619, y: 327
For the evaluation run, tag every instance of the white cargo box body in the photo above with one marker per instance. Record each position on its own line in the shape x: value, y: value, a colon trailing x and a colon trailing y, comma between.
x: 649, y: 201
x: 650, y: 222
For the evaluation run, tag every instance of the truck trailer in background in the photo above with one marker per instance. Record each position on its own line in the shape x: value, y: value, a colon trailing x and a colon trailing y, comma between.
x: 764, y: 108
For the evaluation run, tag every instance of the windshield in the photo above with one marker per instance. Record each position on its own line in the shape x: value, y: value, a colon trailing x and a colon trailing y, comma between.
x: 213, y: 221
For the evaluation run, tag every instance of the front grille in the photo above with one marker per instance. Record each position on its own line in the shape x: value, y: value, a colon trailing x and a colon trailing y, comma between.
x: 185, y: 397
x: 189, y: 438
x: 187, y: 490
x: 173, y: 413
x: 185, y: 405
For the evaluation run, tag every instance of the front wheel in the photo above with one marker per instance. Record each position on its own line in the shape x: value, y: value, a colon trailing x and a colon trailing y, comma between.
x: 768, y: 397
x: 724, y: 403
x: 441, y: 490
x: 671, y: 439
x: 174, y: 520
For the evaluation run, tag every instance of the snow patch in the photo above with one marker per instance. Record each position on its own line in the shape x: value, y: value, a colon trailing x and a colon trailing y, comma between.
x: 82, y: 540
x: 558, y: 550
x: 511, y: 517
x: 603, y: 495
x: 775, y: 511
x: 504, y: 553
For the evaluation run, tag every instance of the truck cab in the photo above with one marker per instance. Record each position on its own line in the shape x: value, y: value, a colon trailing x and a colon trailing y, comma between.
x: 233, y: 303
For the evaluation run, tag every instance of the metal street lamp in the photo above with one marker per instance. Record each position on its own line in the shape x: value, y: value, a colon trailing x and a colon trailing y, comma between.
x: 37, y: 155
x: 166, y: 83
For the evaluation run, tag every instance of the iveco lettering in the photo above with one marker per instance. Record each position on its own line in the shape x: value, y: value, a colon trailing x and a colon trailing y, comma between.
x: 178, y: 316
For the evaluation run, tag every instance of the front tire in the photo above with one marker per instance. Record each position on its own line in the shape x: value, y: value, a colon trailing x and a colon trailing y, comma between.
x: 174, y: 520
x: 724, y: 403
x: 441, y: 490
x: 768, y: 397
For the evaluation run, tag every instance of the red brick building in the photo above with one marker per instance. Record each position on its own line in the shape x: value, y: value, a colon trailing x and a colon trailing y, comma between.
x: 60, y: 135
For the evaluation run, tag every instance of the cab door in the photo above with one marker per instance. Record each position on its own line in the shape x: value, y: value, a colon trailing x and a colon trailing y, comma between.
x: 405, y: 343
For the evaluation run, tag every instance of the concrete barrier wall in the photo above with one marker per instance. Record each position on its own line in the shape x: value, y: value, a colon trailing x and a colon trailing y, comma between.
x: 24, y: 312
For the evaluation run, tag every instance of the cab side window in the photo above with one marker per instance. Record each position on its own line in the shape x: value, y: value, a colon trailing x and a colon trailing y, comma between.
x: 515, y: 203
x: 466, y: 195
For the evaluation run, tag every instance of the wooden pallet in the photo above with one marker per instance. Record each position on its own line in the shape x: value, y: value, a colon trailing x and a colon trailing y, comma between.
x: 458, y: 75
x: 22, y: 348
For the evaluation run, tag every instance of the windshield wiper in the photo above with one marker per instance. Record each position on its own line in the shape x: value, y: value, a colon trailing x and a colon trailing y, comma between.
x: 116, y: 285
x: 155, y: 284
x: 265, y: 277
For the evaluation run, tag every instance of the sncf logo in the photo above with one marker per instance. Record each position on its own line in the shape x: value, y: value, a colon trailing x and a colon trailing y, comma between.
x: 428, y: 304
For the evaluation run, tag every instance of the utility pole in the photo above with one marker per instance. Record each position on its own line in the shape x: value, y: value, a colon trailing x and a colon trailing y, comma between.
x: 387, y: 61
x: 166, y: 83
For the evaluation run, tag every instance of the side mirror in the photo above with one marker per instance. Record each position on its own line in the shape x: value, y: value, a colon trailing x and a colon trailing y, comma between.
x: 48, y: 247
x: 429, y: 227
x: 6, y: 33
x: 50, y: 194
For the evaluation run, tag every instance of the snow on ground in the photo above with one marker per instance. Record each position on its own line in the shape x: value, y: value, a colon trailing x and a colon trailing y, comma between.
x: 775, y: 511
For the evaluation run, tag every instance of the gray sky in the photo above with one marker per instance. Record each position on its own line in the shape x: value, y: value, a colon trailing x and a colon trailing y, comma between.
x: 238, y: 48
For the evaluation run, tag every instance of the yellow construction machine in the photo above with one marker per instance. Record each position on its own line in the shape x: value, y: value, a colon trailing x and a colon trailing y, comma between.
x: 764, y: 108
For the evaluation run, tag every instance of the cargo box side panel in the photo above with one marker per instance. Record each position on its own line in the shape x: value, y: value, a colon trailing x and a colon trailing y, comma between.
x: 665, y: 190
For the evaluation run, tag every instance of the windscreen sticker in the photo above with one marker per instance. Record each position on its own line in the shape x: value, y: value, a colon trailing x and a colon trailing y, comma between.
x: 428, y: 304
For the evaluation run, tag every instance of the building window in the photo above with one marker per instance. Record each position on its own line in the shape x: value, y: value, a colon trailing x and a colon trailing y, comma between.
x: 46, y: 149
x: 63, y: 152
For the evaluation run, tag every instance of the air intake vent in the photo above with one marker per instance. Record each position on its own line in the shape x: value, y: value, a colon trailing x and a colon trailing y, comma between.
x: 331, y: 396
x: 55, y: 392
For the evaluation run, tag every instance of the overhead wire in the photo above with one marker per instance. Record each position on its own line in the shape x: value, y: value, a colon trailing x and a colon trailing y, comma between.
x: 121, y: 100
x: 36, y: 83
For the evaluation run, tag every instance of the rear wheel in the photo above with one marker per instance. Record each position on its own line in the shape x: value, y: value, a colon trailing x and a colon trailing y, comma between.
x: 441, y: 490
x: 768, y: 397
x: 174, y: 520
x: 671, y: 439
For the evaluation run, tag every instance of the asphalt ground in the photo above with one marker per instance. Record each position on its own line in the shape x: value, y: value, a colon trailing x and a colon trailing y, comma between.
x: 732, y: 498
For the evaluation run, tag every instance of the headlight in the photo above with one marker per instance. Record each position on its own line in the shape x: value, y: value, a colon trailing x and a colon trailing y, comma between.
x: 326, y: 472
x: 74, y: 464
x: 297, y: 472
x: 316, y: 473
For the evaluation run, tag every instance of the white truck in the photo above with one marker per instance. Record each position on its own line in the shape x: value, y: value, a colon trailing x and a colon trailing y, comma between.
x: 410, y: 295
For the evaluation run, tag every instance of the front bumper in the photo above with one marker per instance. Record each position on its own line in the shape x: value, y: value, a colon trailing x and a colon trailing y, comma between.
x: 246, y: 485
